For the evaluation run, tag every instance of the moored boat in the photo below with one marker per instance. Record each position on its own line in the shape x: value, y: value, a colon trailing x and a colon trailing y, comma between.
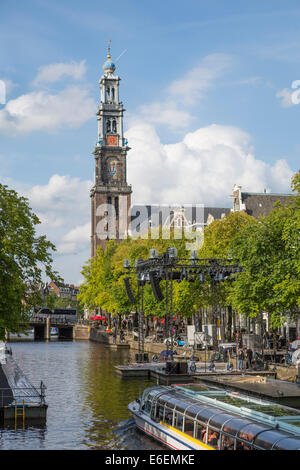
x: 197, y: 417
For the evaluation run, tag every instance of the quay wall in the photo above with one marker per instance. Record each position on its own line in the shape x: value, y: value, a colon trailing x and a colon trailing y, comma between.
x: 286, y: 373
x: 81, y: 332
x: 99, y: 336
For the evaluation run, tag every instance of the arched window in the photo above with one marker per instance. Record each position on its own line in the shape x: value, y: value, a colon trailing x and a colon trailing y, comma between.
x: 113, y: 94
x: 108, y: 125
x: 114, y: 126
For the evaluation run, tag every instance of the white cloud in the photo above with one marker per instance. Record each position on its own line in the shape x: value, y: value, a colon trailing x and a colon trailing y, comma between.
x: 168, y: 113
x: 286, y: 97
x: 186, y: 92
x: 63, y: 207
x: 191, y: 88
x: 202, y: 168
x: 55, y: 72
x: 76, y: 239
x: 42, y: 111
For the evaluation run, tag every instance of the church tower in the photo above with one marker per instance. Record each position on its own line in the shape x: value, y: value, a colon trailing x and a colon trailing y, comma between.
x: 110, y: 195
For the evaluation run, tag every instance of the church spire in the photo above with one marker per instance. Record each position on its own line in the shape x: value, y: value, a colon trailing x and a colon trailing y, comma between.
x: 108, y: 66
x: 111, y: 188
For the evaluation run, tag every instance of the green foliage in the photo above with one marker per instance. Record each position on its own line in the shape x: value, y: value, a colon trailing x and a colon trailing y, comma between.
x: 268, y: 250
x: 24, y: 257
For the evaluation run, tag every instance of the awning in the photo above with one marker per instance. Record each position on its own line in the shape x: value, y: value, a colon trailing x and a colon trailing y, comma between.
x: 98, y: 318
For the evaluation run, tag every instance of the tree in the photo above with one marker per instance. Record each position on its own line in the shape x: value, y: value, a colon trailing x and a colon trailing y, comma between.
x: 218, y: 237
x: 268, y: 250
x: 24, y: 256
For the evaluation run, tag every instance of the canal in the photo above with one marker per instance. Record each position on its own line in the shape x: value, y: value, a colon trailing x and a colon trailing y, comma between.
x: 87, y: 401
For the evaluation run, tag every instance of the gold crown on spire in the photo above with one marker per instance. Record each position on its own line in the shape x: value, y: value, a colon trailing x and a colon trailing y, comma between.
x: 108, y: 66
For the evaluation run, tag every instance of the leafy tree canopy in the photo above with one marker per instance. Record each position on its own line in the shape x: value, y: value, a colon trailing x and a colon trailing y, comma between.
x: 24, y: 257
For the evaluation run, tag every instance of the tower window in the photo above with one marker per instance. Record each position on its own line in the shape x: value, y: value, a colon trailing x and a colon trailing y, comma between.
x: 114, y: 126
x: 117, y: 206
x: 108, y: 125
x: 113, y: 94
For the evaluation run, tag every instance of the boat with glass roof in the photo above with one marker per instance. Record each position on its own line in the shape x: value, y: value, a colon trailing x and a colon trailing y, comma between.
x: 199, y: 417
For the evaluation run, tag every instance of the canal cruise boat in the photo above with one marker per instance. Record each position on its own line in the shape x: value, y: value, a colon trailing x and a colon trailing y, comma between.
x: 198, y: 417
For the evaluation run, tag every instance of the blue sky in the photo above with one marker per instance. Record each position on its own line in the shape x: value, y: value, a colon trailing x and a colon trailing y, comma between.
x: 193, y: 72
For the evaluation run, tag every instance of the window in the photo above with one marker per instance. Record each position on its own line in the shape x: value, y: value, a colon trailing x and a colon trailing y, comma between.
x: 178, y: 422
x: 147, y: 407
x: 114, y: 126
x: 213, y: 438
x: 168, y: 416
x: 113, y: 94
x: 290, y: 443
x: 249, y: 432
x: 200, y: 432
x: 108, y: 125
x: 240, y: 445
x: 227, y: 443
x: 189, y: 426
x: 117, y: 206
x: 268, y: 438
x: 234, y: 425
x: 159, y: 412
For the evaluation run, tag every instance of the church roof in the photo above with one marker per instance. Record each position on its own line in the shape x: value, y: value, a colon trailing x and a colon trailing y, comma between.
x: 209, y: 214
x: 260, y: 204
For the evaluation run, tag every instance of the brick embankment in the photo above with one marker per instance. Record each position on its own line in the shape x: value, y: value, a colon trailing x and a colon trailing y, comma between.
x: 81, y: 332
x: 99, y: 336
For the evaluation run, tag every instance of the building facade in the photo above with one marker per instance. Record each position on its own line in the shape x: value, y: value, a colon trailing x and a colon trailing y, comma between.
x: 256, y: 204
x: 64, y: 291
x: 110, y: 195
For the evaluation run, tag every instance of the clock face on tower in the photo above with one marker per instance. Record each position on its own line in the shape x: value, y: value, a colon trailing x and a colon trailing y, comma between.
x: 112, y: 140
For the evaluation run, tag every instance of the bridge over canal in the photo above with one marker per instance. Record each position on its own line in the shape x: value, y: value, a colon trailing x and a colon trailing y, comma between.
x: 64, y: 320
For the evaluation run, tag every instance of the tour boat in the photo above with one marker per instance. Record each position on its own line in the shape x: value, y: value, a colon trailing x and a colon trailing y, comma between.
x: 198, y: 417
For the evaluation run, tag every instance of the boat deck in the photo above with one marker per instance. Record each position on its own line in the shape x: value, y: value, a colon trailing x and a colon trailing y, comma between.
x: 157, y: 371
x: 280, y: 391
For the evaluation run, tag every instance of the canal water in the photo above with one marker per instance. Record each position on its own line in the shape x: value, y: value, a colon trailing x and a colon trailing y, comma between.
x: 87, y: 401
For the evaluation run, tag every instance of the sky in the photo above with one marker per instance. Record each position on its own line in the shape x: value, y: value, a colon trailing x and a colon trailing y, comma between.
x: 211, y: 92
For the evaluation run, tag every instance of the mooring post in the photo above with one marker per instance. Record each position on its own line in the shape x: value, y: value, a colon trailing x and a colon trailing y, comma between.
x: 47, y: 328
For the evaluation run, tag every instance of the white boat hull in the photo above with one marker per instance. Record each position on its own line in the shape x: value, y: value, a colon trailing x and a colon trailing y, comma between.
x: 165, y: 434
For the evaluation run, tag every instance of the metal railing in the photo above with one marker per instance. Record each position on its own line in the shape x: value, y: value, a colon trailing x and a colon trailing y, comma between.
x: 54, y: 319
x: 30, y: 396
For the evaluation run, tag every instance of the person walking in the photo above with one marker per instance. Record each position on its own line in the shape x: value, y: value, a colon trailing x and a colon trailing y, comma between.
x: 114, y: 334
x: 249, y: 356
x: 241, y: 357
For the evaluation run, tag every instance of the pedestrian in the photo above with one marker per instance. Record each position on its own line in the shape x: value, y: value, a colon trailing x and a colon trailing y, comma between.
x: 249, y: 356
x: 122, y: 336
x: 281, y: 342
x: 114, y: 334
x: 241, y: 357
